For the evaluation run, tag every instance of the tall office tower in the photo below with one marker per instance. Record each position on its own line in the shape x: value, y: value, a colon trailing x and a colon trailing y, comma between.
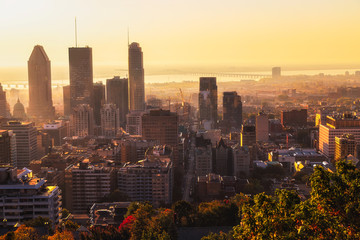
x: 203, y: 156
x: 3, y: 103
x: 162, y: 125
x: 344, y: 146
x: 241, y: 161
x: 248, y: 135
x: 86, y: 184
x: 276, y: 72
x: 66, y: 98
x: 208, y: 100
x: 223, y: 159
x: 81, y: 76
x: 99, y: 100
x: 336, y: 127
x: 7, y: 148
x: 82, y: 120
x: 26, y: 141
x: 117, y: 93
x: 133, y: 122
x: 136, y: 77
x: 296, y: 118
x: 28, y: 197
x: 262, y: 127
x: 232, y: 109
x: 19, y: 111
x: 150, y: 179
x: 39, y: 73
x: 109, y: 120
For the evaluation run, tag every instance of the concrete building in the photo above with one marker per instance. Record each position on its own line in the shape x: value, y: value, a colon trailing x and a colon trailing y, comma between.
x: 57, y: 131
x: 40, y: 94
x: 136, y: 78
x: 232, y: 110
x: 276, y: 72
x: 26, y: 141
x: 223, y: 159
x: 99, y: 101
x: 81, y: 76
x: 66, y: 98
x: 82, y: 120
x: 110, y: 121
x: 262, y: 128
x: 294, y: 118
x: 150, y: 179
x: 248, y: 135
x: 241, y: 161
x: 208, y: 100
x: 24, y: 197
x: 4, y: 112
x: 336, y: 127
x: 161, y: 125
x: 8, y: 149
x: 117, y: 93
x: 203, y: 160
x: 87, y: 184
x: 133, y: 148
x: 134, y: 122
x: 344, y: 146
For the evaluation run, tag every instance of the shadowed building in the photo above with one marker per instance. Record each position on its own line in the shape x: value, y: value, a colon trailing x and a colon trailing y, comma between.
x: 81, y: 76
x: 117, y: 93
x: 136, y: 77
x: 7, y: 148
x: 99, y: 100
x: 3, y: 103
x: 66, y: 97
x: 82, y: 120
x: 39, y: 73
x: 208, y: 100
x: 109, y: 120
x: 232, y: 109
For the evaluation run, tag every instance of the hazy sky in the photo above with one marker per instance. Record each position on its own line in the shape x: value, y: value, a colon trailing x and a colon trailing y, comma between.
x: 187, y: 32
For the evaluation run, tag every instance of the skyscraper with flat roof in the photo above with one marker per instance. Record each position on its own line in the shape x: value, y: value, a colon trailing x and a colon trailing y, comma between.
x: 232, y: 109
x: 81, y: 76
x: 136, y: 77
x: 208, y: 99
x: 99, y: 101
x: 40, y: 95
x: 117, y: 93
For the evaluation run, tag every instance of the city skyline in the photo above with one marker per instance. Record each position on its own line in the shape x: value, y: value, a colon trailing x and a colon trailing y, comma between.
x: 239, y: 33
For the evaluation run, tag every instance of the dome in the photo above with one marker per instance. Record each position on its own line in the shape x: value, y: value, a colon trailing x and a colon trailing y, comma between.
x: 19, y: 110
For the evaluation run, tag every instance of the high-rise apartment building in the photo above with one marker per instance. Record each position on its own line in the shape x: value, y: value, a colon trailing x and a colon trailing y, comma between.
x: 109, y: 120
x: 3, y: 103
x: 232, y: 110
x: 26, y: 141
x: 203, y: 156
x: 117, y: 93
x: 344, y: 146
x: 40, y: 94
x: 150, y: 179
x: 262, y: 127
x: 136, y: 78
x: 162, y: 125
x: 336, y: 127
x: 7, y: 148
x: 99, y: 101
x: 82, y: 120
x: 87, y: 184
x: 208, y: 100
x: 81, y: 76
x: 241, y: 161
x: 24, y: 197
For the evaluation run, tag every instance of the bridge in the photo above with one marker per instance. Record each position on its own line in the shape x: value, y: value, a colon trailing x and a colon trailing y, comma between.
x: 232, y: 75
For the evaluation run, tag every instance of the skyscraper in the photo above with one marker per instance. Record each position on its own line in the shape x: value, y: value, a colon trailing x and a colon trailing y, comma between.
x: 7, y: 148
x: 232, y: 109
x: 109, y: 120
x: 344, y: 146
x: 117, y: 93
x: 3, y: 103
x: 39, y: 74
x: 208, y: 99
x: 136, y: 77
x: 99, y: 100
x: 81, y: 76
x: 66, y: 97
x: 82, y: 120
x: 262, y: 127
x: 26, y: 141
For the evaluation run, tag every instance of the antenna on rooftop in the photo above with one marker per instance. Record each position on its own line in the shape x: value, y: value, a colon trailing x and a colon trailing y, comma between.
x: 75, y: 33
x: 128, y: 37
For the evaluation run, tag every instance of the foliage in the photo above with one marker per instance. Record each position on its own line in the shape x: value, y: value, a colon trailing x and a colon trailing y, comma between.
x: 65, y: 235
x: 64, y: 213
x: 22, y: 233
x: 71, y: 226
x: 184, y: 213
x: 217, y: 213
x: 38, y: 222
x: 217, y: 236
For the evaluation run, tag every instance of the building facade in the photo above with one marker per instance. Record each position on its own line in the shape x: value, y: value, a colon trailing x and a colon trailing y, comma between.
x: 136, y: 78
x: 117, y: 93
x: 232, y: 109
x: 82, y: 120
x: 110, y: 122
x: 8, y: 154
x: 99, y: 101
x: 208, y: 100
x: 262, y: 127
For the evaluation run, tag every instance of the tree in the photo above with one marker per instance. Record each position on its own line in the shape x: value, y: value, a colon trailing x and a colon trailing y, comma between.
x: 65, y: 235
x: 183, y: 213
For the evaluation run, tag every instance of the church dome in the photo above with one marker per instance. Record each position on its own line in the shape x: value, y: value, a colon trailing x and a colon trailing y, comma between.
x: 19, y: 110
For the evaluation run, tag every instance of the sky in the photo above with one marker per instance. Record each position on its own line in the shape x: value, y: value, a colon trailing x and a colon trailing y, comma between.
x: 185, y: 34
